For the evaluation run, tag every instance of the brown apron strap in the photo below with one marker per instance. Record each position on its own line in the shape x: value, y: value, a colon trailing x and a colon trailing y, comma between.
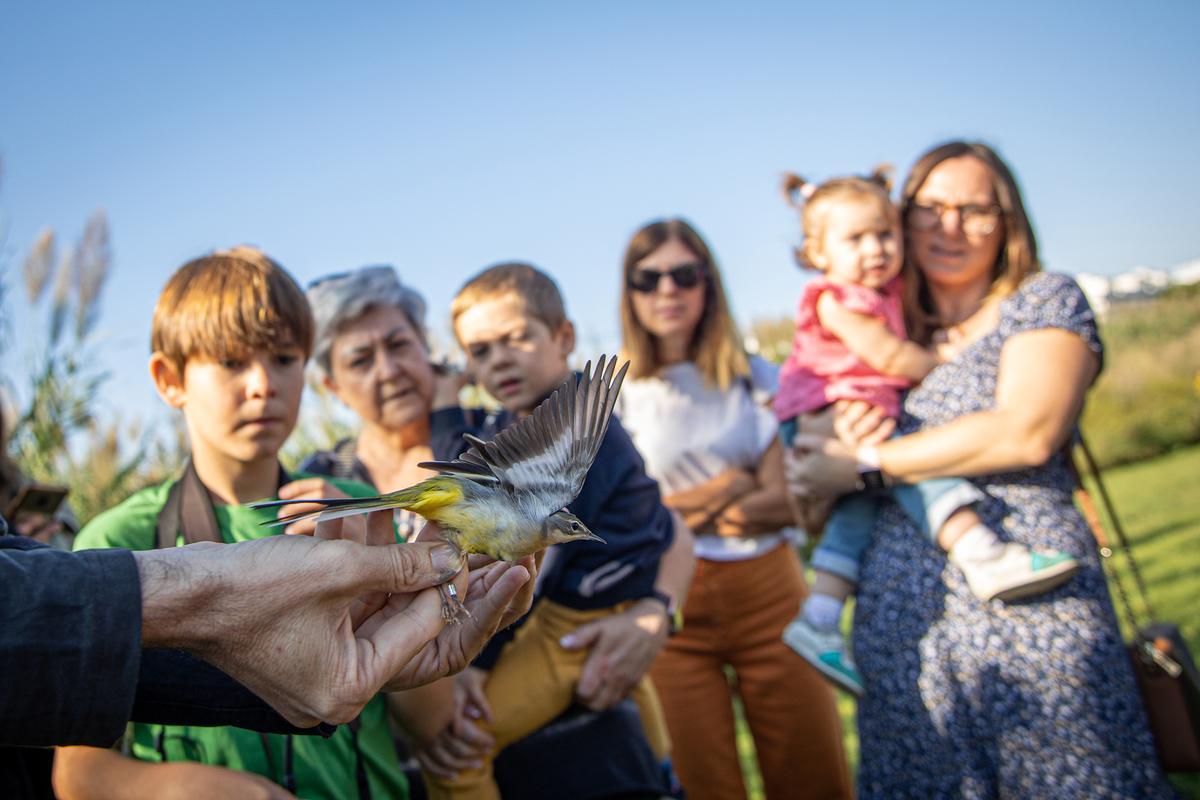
x: 188, y: 511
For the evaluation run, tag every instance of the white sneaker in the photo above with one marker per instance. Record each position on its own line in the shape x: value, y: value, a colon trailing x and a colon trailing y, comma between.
x: 825, y: 650
x: 1017, y: 572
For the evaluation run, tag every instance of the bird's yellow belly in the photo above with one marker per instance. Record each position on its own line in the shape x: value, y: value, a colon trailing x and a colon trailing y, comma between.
x: 483, y: 529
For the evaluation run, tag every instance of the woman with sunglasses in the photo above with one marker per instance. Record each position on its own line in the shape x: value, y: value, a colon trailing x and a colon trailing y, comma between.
x: 964, y: 696
x: 697, y: 407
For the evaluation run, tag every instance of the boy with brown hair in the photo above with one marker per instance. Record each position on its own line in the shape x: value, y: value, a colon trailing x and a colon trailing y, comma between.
x: 230, y: 337
x: 511, y: 321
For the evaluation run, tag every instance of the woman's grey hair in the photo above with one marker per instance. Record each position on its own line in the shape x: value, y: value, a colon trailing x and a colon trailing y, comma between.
x: 344, y: 297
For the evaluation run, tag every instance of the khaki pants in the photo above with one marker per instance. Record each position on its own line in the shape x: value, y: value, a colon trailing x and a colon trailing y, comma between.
x: 532, y: 683
x: 734, y: 615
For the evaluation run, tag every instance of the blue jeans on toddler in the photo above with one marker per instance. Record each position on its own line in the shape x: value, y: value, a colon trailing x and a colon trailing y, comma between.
x: 852, y: 522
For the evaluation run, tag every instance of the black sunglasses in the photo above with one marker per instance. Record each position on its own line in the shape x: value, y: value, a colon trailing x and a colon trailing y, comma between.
x: 685, y: 276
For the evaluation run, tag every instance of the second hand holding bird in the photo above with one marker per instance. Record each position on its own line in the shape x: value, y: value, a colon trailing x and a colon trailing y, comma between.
x: 506, y: 498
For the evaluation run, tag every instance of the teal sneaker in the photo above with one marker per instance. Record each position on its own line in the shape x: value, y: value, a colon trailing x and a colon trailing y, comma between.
x: 1018, y: 573
x: 825, y: 650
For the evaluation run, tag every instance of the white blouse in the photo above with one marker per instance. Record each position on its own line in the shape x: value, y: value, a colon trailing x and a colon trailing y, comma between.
x: 689, y: 432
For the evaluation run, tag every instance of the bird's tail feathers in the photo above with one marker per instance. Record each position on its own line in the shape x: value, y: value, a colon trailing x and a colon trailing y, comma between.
x: 334, y: 508
x: 423, y: 498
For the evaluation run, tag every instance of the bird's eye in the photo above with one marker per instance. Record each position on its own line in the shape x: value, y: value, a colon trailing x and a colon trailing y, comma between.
x: 575, y: 526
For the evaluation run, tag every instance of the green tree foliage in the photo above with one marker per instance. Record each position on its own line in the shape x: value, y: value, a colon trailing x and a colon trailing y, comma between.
x: 1147, y: 400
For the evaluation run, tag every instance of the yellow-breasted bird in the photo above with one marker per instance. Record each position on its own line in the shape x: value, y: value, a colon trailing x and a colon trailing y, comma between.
x: 507, y: 498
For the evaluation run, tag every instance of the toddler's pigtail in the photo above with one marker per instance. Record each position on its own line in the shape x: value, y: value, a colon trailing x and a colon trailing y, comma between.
x: 796, y: 190
x: 882, y: 175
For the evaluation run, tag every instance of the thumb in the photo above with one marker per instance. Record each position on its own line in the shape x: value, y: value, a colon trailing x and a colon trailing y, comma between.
x: 582, y: 637
x: 406, y: 567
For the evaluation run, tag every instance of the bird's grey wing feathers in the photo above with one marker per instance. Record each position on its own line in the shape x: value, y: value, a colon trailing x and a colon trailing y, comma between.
x: 465, y: 467
x: 543, y: 459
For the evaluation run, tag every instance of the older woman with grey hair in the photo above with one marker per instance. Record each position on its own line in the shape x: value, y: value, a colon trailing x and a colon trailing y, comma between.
x: 372, y: 353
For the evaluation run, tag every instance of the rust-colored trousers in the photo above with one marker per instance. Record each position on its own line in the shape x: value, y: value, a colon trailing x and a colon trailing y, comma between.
x: 734, y: 615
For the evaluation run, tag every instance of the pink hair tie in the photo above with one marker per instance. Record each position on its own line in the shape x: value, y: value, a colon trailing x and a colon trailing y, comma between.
x: 808, y: 190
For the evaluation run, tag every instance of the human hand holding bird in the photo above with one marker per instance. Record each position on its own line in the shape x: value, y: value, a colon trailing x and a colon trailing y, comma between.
x: 506, y: 498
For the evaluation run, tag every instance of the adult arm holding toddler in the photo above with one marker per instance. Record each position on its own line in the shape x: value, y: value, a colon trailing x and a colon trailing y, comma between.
x: 1041, y: 383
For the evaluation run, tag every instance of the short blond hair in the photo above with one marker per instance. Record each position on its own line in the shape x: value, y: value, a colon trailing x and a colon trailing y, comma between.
x: 227, y: 303
x: 534, y: 289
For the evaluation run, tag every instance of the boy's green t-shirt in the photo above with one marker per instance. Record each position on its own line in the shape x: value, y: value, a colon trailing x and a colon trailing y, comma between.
x: 323, y: 768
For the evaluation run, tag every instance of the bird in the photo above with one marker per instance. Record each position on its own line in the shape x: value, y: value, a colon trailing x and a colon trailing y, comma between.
x: 506, y: 498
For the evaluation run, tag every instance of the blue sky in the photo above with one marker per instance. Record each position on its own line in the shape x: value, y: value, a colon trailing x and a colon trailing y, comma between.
x: 445, y: 137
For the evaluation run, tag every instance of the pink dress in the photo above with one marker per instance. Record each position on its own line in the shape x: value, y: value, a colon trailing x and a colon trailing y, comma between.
x: 820, y: 369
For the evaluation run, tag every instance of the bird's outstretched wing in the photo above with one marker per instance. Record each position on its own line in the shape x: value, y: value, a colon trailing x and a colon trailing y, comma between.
x: 543, y: 459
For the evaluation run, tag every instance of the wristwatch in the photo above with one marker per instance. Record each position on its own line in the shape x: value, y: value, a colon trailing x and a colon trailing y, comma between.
x: 674, y: 612
x: 870, y: 476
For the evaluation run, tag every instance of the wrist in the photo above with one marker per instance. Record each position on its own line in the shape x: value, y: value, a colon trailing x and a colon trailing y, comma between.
x: 174, y: 598
x: 870, y: 472
x: 670, y: 609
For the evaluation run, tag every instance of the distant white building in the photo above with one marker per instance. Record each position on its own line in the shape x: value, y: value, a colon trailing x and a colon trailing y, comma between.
x: 1186, y: 273
x: 1097, y: 289
x: 1138, y: 283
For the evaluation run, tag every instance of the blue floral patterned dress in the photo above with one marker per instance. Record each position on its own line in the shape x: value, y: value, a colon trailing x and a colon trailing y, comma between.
x: 966, y: 698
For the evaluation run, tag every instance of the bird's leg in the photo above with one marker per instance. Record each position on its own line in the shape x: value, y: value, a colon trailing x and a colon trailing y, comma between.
x: 452, y: 607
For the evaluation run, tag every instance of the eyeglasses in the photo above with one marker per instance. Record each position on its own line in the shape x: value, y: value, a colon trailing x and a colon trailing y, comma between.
x: 976, y: 220
x: 685, y: 276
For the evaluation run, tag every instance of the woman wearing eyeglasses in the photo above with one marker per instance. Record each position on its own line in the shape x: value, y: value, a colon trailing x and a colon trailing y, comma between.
x: 697, y: 407
x: 964, y: 696
x: 371, y: 353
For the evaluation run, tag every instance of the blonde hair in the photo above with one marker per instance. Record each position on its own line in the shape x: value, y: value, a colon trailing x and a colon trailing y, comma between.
x: 227, y: 303
x: 535, y: 290
x: 814, y: 201
x: 1016, y: 260
x: 716, y: 346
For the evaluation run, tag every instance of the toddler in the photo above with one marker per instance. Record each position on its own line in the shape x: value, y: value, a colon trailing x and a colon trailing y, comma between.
x: 850, y: 344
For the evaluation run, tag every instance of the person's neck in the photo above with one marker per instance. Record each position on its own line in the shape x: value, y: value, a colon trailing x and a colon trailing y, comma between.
x: 955, y: 306
x: 390, y: 450
x: 671, y: 349
x: 233, y: 482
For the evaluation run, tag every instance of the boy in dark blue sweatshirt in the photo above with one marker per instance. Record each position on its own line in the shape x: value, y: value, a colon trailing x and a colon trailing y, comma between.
x: 511, y: 322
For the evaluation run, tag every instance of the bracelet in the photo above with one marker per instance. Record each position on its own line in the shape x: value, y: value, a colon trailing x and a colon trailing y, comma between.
x: 870, y: 475
x: 867, y: 455
x: 674, y: 613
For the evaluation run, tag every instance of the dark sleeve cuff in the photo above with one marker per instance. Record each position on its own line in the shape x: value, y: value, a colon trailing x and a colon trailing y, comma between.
x: 176, y: 688
x: 71, y: 644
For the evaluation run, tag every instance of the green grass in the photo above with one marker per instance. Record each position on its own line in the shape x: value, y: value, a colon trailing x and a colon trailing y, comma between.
x: 1159, y: 504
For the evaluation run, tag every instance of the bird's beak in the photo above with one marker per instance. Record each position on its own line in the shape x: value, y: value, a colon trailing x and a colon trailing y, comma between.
x: 591, y: 537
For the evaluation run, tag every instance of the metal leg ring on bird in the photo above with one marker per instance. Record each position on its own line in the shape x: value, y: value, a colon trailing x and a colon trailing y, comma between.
x: 452, y: 607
